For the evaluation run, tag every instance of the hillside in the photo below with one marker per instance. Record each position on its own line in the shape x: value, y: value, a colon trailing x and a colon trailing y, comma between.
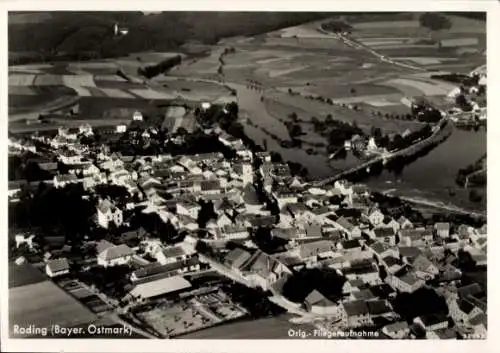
x: 45, y: 36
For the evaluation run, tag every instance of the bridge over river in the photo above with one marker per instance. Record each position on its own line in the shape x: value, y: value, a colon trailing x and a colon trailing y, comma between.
x: 441, y: 131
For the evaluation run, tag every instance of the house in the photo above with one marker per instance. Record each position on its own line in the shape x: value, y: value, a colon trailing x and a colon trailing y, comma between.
x: 442, y: 229
x: 188, y: 208
x: 62, y: 180
x: 251, y: 199
x: 404, y: 281
x: 381, y: 250
x: 365, y: 270
x: 57, y: 267
x: 442, y: 334
x: 392, y: 264
x: 318, y: 304
x: 353, y: 246
x: 409, y: 253
x: 210, y: 187
x: 415, y: 237
x: 386, y: 235
x: 232, y: 232
x: 390, y: 222
x: 236, y: 258
x: 463, y: 310
x: 352, y: 231
x: 159, y: 287
x: 108, y: 213
x: 379, y: 308
x: 284, y: 196
x: 353, y: 285
x: 424, y: 268
x: 312, y: 250
x: 172, y: 254
x: 375, y: 217
x: 404, y: 223
x: 109, y: 254
x: 155, y: 270
x: 299, y: 212
x: 23, y: 239
x: 397, y: 330
x: 355, y: 314
x: 288, y: 234
x: 432, y: 322
x: 264, y: 271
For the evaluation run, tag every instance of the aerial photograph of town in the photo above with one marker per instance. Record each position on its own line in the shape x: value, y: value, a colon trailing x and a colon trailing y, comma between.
x: 247, y: 175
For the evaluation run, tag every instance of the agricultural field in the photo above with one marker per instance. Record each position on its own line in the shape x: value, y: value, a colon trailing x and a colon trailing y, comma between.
x: 44, y: 304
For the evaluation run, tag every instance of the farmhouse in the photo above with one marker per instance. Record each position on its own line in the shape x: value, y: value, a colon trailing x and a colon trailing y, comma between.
x: 108, y: 213
x: 109, y: 254
x: 57, y: 267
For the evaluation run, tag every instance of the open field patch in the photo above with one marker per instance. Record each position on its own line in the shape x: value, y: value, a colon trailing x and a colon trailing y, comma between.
x: 22, y: 91
x: 151, y: 94
x: 21, y: 80
x: 418, y: 87
x: 114, y: 78
x: 303, y: 31
x: 44, y: 304
x: 283, y: 105
x: 81, y: 91
x: 48, y: 80
x: 117, y: 84
x: 387, y: 24
x: 78, y: 80
x: 425, y: 60
x: 116, y: 93
x: 283, y: 72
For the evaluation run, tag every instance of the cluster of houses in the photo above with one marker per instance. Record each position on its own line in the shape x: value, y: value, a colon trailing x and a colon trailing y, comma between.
x: 337, y: 227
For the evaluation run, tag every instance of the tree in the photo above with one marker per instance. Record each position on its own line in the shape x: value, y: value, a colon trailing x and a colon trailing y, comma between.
x: 434, y: 21
x: 353, y: 91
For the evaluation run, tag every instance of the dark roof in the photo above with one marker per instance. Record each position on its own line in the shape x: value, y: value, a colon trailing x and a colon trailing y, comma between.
x: 237, y: 257
x: 465, y: 306
x: 348, y: 212
x: 155, y: 268
x: 356, y: 308
x: 479, y: 319
x: 392, y: 261
x: 433, y: 319
x: 378, y: 307
x: 409, y: 251
x: 470, y: 289
x: 384, y: 232
x: 351, y: 244
x: 250, y: 195
x: 210, y: 185
x: 333, y: 234
x: 363, y: 294
x: 173, y: 251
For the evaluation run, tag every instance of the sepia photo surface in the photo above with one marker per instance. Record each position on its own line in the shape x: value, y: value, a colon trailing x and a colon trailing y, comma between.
x: 247, y: 175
